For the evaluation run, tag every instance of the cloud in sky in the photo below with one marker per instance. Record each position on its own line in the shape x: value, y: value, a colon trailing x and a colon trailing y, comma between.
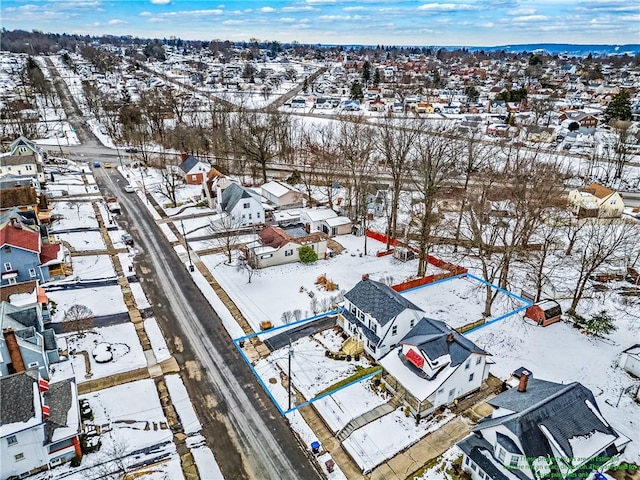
x: 401, y: 22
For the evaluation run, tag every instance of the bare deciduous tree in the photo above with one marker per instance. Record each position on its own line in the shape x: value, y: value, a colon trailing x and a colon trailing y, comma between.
x: 226, y: 231
x: 79, y: 319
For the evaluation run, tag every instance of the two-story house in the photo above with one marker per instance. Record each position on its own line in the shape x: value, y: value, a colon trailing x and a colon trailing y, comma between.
x: 243, y: 204
x: 596, y: 201
x: 25, y: 257
x: 282, y: 195
x: 433, y: 365
x: 39, y: 423
x: 376, y: 318
x: 193, y: 170
x: 541, y: 429
x: 325, y: 220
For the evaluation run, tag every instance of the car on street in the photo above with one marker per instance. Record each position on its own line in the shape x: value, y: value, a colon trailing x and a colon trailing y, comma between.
x: 129, y: 188
x: 96, y: 164
x: 107, y: 165
x: 131, y: 150
x: 127, y: 239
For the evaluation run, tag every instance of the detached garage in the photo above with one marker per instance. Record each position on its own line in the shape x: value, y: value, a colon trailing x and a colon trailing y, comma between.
x: 544, y: 312
x: 630, y: 360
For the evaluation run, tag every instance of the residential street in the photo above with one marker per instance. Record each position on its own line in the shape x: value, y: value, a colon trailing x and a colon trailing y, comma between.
x: 249, y: 438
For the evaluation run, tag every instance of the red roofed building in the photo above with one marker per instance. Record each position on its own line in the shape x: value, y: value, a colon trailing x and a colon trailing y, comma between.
x: 25, y: 258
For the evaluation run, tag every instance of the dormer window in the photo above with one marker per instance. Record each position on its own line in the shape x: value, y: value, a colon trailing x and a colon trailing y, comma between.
x: 500, y: 454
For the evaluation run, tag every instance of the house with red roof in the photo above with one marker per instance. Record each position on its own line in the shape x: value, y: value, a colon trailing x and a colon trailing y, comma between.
x: 25, y: 257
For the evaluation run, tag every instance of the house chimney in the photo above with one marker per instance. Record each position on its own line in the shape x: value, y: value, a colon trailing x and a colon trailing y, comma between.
x: 365, y: 276
x: 14, y: 350
x: 450, y: 338
x: 524, y: 379
x: 183, y: 156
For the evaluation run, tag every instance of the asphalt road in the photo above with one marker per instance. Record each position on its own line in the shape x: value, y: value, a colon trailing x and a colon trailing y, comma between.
x: 246, y: 433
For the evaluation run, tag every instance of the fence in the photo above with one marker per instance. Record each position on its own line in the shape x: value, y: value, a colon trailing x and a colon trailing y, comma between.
x: 452, y: 269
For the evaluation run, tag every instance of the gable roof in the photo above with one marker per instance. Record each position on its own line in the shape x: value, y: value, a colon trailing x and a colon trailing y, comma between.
x: 379, y: 300
x: 18, y: 197
x: 233, y: 194
x: 12, y: 160
x: 431, y: 337
x: 564, y: 411
x: 19, y: 237
x: 63, y: 419
x: 274, y: 237
x: 19, y: 317
x: 189, y: 163
x: 277, y: 189
x: 598, y: 190
x: 22, y: 140
x: 50, y: 252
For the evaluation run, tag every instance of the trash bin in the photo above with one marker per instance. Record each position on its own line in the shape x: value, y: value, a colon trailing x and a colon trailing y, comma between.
x: 330, y: 464
x: 315, y: 447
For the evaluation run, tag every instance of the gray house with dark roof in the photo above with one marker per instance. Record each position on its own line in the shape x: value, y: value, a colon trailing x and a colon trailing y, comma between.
x: 541, y: 429
x: 194, y: 170
x: 434, y: 365
x: 39, y: 423
x: 376, y: 317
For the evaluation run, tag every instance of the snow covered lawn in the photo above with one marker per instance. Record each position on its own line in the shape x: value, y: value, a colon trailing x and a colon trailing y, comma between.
x: 284, y: 282
x: 124, y: 345
x: 381, y: 439
x: 73, y: 215
x: 139, y: 296
x: 181, y: 402
x: 92, y: 267
x: 158, y: 343
x: 84, y: 241
x: 459, y: 301
x: 105, y: 300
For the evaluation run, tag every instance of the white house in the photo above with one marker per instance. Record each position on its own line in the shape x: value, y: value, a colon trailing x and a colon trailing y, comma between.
x: 277, y: 247
x: 324, y: 220
x: 193, y: 170
x: 243, y: 204
x: 282, y: 195
x: 596, y: 201
x: 376, y: 317
x: 541, y: 429
x: 39, y: 425
x: 433, y: 365
x: 630, y: 360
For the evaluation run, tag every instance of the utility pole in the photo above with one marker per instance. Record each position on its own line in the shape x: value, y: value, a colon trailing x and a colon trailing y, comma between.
x: 289, y: 374
x: 186, y: 245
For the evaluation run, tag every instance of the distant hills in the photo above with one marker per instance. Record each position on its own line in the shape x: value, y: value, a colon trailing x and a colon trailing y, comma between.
x: 570, y: 48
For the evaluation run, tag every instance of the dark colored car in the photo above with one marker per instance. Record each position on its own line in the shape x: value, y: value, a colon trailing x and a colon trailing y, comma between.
x: 131, y: 150
x: 127, y: 239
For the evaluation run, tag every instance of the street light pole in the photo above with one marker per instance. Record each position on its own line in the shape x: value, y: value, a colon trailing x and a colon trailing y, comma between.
x: 186, y: 245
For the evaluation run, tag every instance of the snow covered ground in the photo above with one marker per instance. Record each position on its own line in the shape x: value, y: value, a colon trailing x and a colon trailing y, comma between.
x: 73, y: 215
x: 83, y: 241
x: 90, y: 267
x: 124, y: 346
x: 158, y: 343
x: 105, y: 300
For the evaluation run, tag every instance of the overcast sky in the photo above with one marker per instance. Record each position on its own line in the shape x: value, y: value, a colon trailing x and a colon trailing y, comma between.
x: 387, y: 22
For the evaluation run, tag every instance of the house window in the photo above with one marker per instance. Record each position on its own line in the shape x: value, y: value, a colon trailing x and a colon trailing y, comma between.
x: 514, y: 461
x: 353, y: 309
x: 266, y: 256
x: 7, y: 266
x: 501, y: 454
x: 474, y: 467
x: 246, y: 205
x: 258, y: 215
x: 478, y: 360
x: 243, y: 216
x: 33, y: 365
x: 19, y: 456
x: 466, y: 459
x: 288, y: 253
x: 394, y: 330
x: 12, y: 281
x: 411, y: 323
x: 250, y: 217
x: 32, y: 272
x: 12, y: 440
x: 466, y: 365
x: 613, y: 202
x: 471, y: 377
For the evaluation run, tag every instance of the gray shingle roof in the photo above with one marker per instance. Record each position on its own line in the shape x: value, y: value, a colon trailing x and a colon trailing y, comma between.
x: 232, y: 195
x: 430, y: 336
x: 188, y: 164
x: 16, y: 397
x: 508, y: 444
x: 561, y: 409
x: 59, y: 397
x: 378, y: 300
x: 477, y: 449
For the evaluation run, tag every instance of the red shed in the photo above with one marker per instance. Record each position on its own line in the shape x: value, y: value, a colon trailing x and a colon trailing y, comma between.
x: 544, y: 313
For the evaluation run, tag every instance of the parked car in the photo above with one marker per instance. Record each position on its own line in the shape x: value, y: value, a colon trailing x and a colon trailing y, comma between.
x: 131, y: 150
x: 129, y: 188
x: 127, y: 239
x: 107, y: 165
x: 96, y: 164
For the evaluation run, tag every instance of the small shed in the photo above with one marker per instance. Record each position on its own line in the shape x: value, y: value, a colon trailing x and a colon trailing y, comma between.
x: 630, y: 360
x: 544, y: 312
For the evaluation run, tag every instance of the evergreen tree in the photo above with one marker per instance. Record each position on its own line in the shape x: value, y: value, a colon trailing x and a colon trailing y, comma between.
x: 366, y: 72
x: 376, y: 77
x: 356, y: 92
x: 619, y: 108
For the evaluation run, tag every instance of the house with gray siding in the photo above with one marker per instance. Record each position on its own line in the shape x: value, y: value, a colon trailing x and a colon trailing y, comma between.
x: 243, y: 204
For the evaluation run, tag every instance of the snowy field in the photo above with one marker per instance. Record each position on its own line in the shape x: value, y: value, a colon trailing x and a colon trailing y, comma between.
x: 105, y: 300
x: 83, y: 241
x: 381, y: 439
x: 283, y: 282
x: 73, y: 215
x: 91, y: 267
x: 459, y: 301
x: 124, y: 346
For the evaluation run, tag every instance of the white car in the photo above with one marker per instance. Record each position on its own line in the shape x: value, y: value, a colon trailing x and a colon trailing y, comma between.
x: 129, y: 188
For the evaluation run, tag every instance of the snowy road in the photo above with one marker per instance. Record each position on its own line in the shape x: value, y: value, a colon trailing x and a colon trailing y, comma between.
x: 249, y: 438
